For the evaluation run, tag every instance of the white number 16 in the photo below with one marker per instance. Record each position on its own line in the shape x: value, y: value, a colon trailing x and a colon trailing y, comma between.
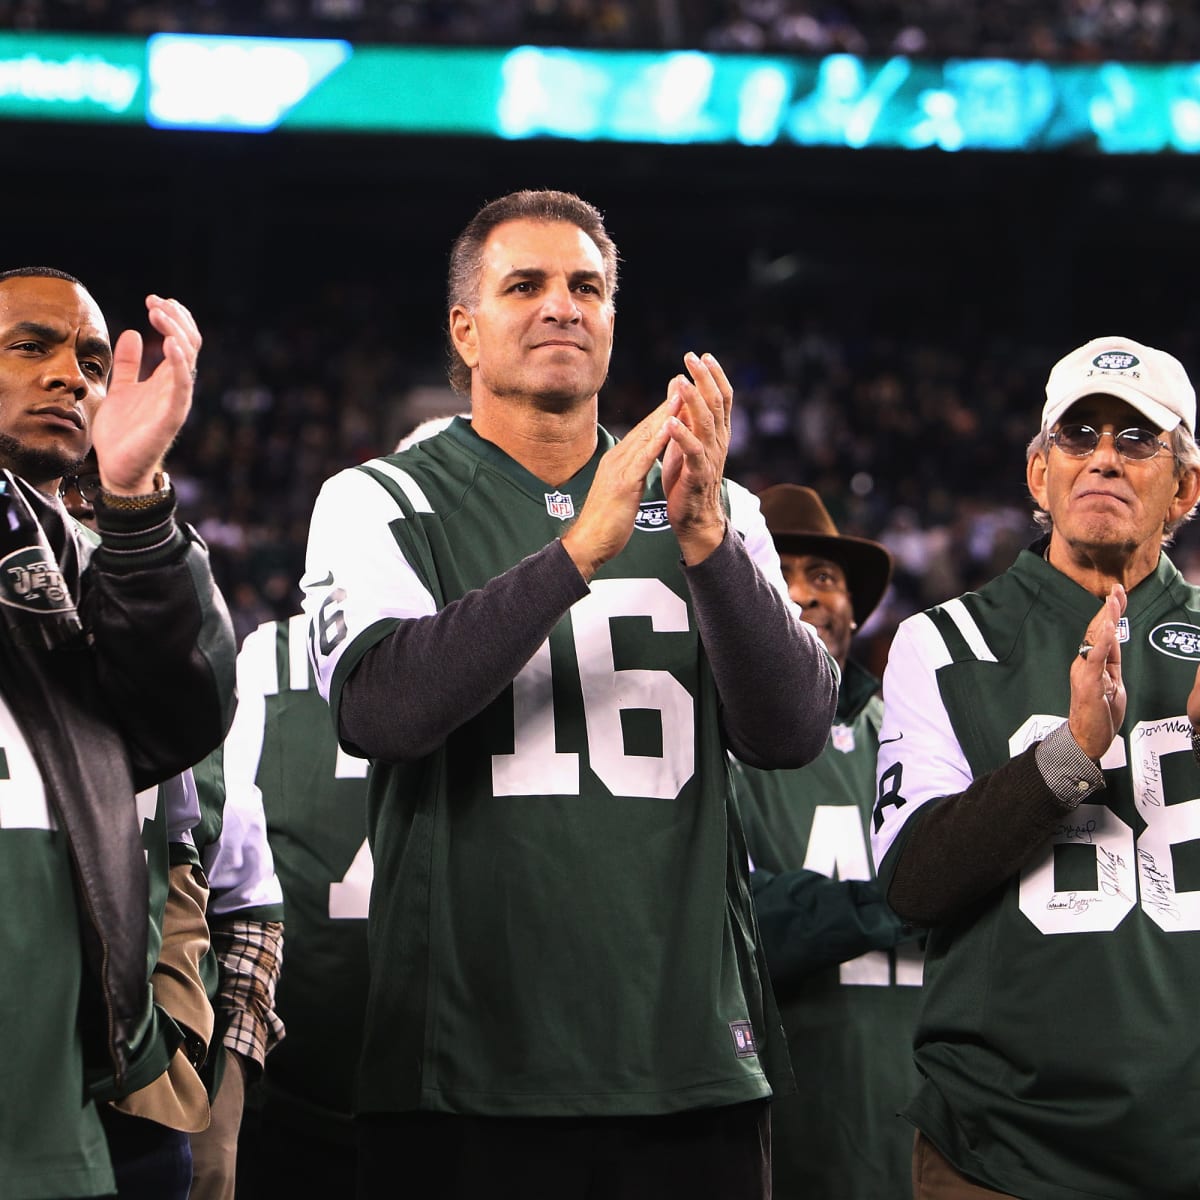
x: 536, y: 768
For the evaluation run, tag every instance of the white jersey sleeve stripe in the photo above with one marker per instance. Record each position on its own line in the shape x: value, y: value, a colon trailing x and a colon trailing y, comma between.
x: 256, y: 662
x: 355, y: 573
x: 240, y: 866
x: 956, y: 610
x: 299, y: 668
x: 919, y: 756
x: 408, y: 485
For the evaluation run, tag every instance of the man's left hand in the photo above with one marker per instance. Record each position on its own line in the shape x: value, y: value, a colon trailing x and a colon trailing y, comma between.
x: 694, y: 462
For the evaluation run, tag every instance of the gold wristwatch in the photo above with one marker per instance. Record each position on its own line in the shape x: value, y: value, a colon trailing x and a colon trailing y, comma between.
x: 162, y: 489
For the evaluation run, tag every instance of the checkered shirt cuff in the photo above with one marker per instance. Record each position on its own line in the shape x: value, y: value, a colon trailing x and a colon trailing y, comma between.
x: 1068, y: 772
x: 250, y: 954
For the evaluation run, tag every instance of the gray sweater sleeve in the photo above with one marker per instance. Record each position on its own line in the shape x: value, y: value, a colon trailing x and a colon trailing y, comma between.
x: 777, y: 683
x: 775, y: 680
x: 956, y: 849
x: 502, y: 623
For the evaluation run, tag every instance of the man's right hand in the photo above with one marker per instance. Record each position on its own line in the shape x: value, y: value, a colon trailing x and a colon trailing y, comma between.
x: 139, y: 418
x: 602, y: 529
x: 1097, y: 689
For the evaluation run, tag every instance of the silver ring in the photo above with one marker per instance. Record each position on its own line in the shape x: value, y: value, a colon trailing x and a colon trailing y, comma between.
x: 1085, y: 648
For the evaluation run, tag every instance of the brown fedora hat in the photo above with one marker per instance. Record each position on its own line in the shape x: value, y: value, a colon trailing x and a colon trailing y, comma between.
x: 800, y: 524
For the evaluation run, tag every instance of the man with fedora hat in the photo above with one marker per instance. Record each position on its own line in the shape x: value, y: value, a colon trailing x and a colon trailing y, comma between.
x: 844, y: 967
x: 1037, y: 810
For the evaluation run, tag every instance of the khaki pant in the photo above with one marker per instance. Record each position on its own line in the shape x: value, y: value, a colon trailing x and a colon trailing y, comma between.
x: 177, y: 1098
x: 214, y: 1152
x: 933, y: 1178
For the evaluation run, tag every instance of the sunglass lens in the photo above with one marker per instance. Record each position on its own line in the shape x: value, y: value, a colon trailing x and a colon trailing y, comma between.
x: 1077, y: 440
x: 1137, y: 443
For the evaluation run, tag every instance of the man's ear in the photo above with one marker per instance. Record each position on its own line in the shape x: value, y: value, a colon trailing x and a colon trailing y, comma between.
x: 463, y: 335
x: 1035, y: 477
x: 1186, y: 494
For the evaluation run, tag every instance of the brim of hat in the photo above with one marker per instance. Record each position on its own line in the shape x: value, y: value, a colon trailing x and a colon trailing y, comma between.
x: 1163, y: 417
x: 867, y: 564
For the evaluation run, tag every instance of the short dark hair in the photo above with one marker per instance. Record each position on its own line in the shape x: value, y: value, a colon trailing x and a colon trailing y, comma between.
x: 466, y: 255
x: 40, y: 273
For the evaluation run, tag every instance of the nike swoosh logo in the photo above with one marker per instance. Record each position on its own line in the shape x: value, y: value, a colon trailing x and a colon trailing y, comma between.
x: 888, y: 741
x: 323, y: 582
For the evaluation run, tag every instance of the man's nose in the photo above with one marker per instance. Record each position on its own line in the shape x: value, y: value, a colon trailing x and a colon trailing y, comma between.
x: 1106, y: 457
x: 801, y: 593
x: 558, y: 303
x: 63, y: 372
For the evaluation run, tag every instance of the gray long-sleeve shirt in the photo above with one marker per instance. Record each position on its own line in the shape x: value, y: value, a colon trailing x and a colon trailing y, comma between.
x: 778, y: 685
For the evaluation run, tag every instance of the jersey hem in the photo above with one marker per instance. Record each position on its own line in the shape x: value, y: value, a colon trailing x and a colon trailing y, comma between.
x: 943, y: 1131
x: 580, y: 1104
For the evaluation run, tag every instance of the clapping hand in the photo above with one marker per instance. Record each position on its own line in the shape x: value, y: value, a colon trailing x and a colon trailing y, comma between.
x: 694, y: 462
x: 1097, y: 689
x: 138, y: 419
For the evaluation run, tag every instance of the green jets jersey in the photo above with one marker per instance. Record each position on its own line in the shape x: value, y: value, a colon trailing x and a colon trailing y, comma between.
x: 560, y: 923
x: 1057, y: 1039
x: 51, y: 1141
x: 849, y: 1025
x: 314, y: 797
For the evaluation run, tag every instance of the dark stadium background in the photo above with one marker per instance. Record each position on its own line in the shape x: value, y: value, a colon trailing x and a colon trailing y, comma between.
x: 1029, y: 242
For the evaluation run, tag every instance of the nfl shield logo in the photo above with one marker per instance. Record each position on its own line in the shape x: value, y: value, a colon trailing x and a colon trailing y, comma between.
x: 560, y: 505
x: 743, y: 1039
x: 843, y: 738
x: 1123, y: 629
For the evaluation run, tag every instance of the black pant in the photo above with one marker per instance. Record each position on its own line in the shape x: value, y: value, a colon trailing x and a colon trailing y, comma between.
x: 150, y: 1161
x: 278, y: 1160
x: 706, y: 1154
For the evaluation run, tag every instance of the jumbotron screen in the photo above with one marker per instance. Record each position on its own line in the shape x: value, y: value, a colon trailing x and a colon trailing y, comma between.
x: 258, y: 85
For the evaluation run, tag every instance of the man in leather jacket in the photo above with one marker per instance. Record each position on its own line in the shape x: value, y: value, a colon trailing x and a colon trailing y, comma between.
x: 116, y: 672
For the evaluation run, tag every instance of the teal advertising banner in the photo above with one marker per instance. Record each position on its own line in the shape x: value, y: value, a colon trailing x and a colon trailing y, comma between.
x: 257, y: 85
x: 70, y: 78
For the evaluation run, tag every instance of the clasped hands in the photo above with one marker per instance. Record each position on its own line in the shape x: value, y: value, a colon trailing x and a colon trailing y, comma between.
x: 690, y: 431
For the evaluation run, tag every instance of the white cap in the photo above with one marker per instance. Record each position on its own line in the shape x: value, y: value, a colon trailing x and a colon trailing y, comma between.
x: 1150, y: 380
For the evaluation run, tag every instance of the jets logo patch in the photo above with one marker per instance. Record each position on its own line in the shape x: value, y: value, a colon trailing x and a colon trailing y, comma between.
x: 30, y: 581
x: 652, y: 516
x: 560, y: 505
x: 1115, y: 360
x: 1177, y: 640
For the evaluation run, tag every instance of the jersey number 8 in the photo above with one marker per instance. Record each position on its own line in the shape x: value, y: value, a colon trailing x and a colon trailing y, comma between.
x: 1129, y: 869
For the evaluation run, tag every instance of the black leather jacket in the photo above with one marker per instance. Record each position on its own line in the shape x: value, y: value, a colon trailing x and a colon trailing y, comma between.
x: 147, y: 692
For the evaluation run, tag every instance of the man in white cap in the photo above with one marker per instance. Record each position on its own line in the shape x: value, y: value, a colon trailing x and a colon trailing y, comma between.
x: 845, y: 968
x: 1036, y: 810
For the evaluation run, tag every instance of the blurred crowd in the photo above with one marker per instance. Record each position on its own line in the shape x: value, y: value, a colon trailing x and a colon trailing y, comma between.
x: 1061, y: 30
x: 919, y: 444
x: 916, y: 442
